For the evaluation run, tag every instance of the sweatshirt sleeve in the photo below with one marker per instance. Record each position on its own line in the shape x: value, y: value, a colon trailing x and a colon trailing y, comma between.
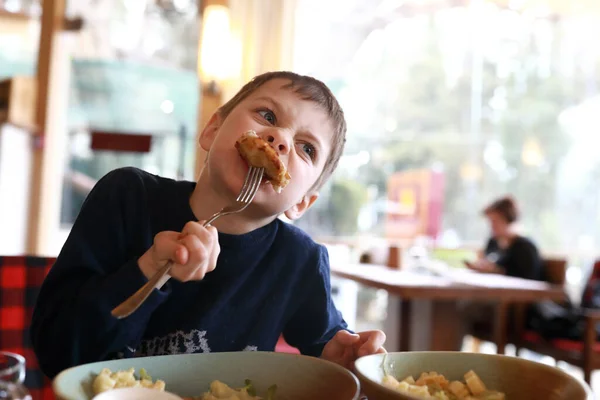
x: 95, y: 271
x: 317, y: 320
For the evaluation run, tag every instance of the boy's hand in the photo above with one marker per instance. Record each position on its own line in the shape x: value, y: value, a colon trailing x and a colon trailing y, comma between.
x: 344, y: 348
x: 194, y: 252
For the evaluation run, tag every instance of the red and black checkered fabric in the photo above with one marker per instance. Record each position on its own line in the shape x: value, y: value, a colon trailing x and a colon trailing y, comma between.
x: 20, y: 280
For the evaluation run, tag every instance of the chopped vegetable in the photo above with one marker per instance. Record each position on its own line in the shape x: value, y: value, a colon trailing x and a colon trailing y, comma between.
x: 249, y: 387
x: 271, y: 392
x: 144, y: 374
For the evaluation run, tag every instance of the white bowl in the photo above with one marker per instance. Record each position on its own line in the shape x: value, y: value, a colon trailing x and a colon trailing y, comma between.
x: 297, y: 377
x: 518, y: 378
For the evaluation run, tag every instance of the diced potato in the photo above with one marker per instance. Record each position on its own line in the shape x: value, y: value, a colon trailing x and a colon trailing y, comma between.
x: 474, y: 383
x: 428, y: 378
x: 435, y: 386
x: 103, y: 382
x: 458, y: 389
x: 108, y: 380
x: 422, y: 391
x: 158, y: 385
x: 440, y: 396
x: 492, y: 396
x: 220, y: 389
x: 390, y: 381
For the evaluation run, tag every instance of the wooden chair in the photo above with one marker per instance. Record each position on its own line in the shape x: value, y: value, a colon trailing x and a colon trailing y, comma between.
x: 501, y: 331
x: 583, y: 353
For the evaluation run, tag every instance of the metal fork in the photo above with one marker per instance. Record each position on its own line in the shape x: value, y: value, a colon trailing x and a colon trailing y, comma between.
x: 249, y: 189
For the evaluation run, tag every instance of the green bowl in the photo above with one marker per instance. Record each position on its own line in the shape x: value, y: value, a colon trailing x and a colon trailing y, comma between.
x: 297, y: 377
x: 519, y: 379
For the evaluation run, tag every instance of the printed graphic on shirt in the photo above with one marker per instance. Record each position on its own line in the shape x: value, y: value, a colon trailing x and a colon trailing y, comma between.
x: 178, y: 342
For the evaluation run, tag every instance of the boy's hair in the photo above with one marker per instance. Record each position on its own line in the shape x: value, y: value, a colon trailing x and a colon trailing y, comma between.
x: 310, y: 89
x: 506, y: 207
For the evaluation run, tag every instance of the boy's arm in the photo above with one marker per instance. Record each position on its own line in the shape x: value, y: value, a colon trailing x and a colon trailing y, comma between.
x: 317, y: 320
x: 95, y: 271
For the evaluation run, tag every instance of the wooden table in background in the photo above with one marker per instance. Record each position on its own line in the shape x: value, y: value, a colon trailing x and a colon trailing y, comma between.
x: 422, y: 308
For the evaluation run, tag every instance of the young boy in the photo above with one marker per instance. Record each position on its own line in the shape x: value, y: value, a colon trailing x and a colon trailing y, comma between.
x: 236, y: 285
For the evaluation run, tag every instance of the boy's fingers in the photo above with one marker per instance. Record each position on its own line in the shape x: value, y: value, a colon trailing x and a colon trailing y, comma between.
x: 196, y: 260
x: 195, y: 246
x: 207, y: 256
x: 338, y: 343
x: 203, y: 246
x: 344, y: 338
x: 348, y: 358
x: 181, y: 255
x: 374, y: 341
x: 205, y: 234
x: 167, y: 235
x: 195, y: 250
x: 214, y: 251
x: 167, y: 247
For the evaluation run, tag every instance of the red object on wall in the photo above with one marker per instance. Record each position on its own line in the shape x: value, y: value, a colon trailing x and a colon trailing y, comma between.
x: 122, y: 142
x: 415, y: 204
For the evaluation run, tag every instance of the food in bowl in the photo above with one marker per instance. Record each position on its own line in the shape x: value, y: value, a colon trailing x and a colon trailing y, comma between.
x: 431, y: 385
x: 297, y: 377
x: 258, y: 153
x: 219, y: 390
x: 517, y: 378
x: 108, y: 380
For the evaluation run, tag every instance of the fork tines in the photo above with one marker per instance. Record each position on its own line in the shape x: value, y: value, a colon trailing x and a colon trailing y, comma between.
x: 251, y: 184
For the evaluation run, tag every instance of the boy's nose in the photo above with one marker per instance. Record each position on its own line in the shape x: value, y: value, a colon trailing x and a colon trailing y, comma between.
x: 278, y: 140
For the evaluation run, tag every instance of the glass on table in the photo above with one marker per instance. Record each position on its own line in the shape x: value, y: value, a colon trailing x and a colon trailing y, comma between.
x: 12, y: 376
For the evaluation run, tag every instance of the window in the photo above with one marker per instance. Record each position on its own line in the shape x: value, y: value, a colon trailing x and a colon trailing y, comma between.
x: 19, y: 37
x: 460, y: 102
x: 133, y: 71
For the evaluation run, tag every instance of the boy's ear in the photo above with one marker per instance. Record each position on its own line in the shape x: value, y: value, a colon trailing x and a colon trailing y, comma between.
x: 210, y: 131
x: 302, y: 206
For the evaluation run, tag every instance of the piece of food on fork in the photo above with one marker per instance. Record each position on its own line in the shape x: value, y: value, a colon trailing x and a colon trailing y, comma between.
x: 258, y: 153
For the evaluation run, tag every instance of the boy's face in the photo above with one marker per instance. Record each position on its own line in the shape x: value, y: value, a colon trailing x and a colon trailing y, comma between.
x: 299, y: 130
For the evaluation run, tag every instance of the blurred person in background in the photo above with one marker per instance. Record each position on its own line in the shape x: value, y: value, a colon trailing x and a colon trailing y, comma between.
x: 507, y: 252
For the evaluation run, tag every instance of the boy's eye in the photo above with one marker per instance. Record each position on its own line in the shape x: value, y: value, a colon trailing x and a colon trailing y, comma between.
x: 310, y: 150
x: 268, y: 115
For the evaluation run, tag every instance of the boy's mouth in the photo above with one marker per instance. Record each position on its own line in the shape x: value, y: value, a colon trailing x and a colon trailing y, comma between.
x: 259, y: 153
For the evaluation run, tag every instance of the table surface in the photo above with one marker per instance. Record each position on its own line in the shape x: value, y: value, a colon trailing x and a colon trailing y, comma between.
x: 448, y: 284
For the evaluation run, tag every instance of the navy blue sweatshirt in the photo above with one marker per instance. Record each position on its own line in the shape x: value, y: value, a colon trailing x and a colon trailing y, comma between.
x: 270, y: 281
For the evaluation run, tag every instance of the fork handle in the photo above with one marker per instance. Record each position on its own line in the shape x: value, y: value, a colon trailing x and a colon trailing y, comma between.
x: 127, y: 307
x: 212, y: 219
